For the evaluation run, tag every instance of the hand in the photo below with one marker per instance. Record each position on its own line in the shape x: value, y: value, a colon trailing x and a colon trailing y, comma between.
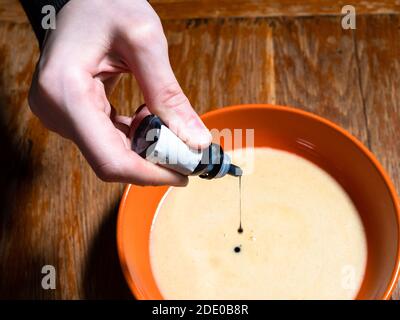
x: 94, y: 42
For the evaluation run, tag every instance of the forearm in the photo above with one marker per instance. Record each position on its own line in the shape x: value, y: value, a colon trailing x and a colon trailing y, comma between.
x: 33, y: 9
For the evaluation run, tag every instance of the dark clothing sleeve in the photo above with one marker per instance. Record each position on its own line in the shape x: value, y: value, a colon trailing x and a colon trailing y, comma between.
x: 33, y: 9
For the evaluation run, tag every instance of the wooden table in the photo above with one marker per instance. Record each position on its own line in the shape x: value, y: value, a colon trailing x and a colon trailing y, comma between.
x: 55, y: 211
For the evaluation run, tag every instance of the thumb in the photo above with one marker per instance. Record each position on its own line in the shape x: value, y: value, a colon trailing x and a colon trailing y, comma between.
x: 150, y: 64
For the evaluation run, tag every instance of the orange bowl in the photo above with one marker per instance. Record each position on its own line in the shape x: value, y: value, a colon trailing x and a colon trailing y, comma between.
x: 305, y: 134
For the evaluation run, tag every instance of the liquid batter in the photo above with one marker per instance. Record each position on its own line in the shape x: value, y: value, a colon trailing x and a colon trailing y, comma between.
x: 301, y: 238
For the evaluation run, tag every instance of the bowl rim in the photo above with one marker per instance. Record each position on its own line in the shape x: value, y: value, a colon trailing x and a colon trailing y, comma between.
x: 396, y: 271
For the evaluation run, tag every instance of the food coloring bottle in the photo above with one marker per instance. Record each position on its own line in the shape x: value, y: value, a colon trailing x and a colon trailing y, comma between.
x: 155, y: 142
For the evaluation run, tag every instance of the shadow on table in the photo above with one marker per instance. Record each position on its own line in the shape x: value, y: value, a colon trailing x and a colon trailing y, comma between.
x: 103, y: 277
x: 17, y: 172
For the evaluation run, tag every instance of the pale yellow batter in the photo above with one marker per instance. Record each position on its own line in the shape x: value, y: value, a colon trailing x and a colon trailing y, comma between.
x: 302, y: 238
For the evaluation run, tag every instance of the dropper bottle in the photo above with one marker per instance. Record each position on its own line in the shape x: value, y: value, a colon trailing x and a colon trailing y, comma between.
x: 155, y: 142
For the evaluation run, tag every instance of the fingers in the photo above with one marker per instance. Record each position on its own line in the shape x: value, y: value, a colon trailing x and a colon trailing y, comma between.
x: 112, y: 160
x: 107, y: 149
x: 146, y: 53
x: 70, y: 91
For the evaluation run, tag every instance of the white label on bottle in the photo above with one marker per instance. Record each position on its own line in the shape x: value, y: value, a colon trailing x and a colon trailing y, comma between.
x: 171, y: 152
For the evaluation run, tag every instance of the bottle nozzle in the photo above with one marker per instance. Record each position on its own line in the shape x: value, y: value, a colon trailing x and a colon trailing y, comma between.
x: 235, y: 171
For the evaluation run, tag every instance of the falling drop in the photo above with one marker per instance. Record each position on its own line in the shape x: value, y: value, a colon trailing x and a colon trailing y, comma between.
x: 240, y: 229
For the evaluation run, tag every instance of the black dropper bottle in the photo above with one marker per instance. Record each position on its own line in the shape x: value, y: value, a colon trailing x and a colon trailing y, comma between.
x: 155, y: 142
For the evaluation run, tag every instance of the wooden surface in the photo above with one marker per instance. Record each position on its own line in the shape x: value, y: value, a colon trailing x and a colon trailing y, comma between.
x: 10, y: 10
x: 54, y: 209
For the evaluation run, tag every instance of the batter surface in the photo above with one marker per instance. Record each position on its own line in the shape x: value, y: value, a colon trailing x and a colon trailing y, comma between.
x: 302, y: 236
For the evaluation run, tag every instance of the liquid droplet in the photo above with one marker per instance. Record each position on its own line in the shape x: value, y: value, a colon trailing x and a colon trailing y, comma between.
x: 240, y: 230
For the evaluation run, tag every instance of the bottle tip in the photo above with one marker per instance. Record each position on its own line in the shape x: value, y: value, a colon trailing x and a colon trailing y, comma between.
x: 235, y: 171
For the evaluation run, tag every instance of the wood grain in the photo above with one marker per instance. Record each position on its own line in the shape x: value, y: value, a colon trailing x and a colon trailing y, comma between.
x: 316, y: 69
x: 223, y: 62
x: 11, y: 11
x: 378, y: 51
x: 184, y: 9
x: 54, y: 209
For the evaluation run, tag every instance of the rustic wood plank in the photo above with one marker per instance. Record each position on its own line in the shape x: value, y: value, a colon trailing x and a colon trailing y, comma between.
x: 11, y: 11
x: 378, y: 47
x: 185, y: 9
x: 222, y: 62
x: 316, y: 69
x: 54, y: 209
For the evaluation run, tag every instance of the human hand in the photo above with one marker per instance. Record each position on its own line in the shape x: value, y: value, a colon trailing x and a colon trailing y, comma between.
x: 82, y: 59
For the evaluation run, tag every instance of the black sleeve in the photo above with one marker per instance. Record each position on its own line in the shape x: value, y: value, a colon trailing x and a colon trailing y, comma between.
x: 33, y: 9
